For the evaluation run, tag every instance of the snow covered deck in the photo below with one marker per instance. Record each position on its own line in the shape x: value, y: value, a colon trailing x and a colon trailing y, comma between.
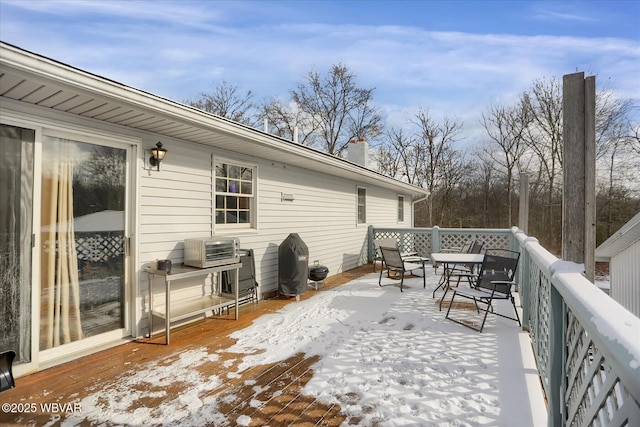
x: 349, y: 354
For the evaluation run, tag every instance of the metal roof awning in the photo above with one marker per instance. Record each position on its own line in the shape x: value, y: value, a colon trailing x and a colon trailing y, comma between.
x: 28, y: 78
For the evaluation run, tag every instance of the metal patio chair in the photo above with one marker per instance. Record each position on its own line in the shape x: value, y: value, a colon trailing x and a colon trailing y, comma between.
x: 378, y: 254
x: 388, y: 243
x: 6, y: 373
x: 457, y: 272
x: 495, y: 281
x: 393, y: 261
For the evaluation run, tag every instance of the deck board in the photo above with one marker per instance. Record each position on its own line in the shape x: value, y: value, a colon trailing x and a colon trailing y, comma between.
x: 268, y: 394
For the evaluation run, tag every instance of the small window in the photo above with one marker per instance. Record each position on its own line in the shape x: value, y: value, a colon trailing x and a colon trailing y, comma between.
x: 400, y: 208
x: 362, y: 205
x: 235, y: 195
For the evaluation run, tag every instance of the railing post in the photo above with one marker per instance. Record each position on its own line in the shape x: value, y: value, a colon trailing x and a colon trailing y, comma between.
x: 370, y: 249
x: 526, y: 299
x: 523, y: 210
x: 556, y: 379
x: 435, y: 239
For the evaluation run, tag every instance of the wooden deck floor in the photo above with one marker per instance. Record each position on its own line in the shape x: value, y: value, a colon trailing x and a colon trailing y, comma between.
x: 278, y: 386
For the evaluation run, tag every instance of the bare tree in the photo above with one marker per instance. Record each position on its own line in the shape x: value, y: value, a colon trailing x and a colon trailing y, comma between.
x: 227, y: 100
x: 454, y: 167
x: 390, y: 157
x: 544, y: 138
x: 285, y: 121
x: 634, y: 138
x: 611, y: 121
x: 433, y: 151
x: 614, y: 150
x: 338, y: 109
x: 424, y: 157
x: 506, y: 126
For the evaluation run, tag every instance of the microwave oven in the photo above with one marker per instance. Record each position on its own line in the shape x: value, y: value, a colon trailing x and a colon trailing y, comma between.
x: 211, y: 251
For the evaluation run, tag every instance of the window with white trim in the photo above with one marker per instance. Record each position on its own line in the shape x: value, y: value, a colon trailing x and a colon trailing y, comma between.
x: 362, y: 205
x: 400, y: 208
x: 234, y: 195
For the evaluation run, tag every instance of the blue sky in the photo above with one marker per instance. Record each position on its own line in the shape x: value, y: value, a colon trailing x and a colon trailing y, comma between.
x: 453, y: 57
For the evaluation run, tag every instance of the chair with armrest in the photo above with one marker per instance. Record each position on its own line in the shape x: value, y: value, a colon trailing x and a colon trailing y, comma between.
x: 392, y: 261
x: 6, y: 374
x: 389, y: 243
x: 494, y: 281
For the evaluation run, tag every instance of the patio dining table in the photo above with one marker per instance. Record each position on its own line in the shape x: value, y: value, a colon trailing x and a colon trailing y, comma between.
x: 448, y: 260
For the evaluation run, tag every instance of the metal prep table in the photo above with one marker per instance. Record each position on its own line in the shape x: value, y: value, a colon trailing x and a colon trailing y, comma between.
x: 193, y: 306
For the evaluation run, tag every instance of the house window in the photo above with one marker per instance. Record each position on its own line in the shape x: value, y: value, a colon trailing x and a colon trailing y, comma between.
x: 235, y: 191
x: 400, y: 208
x: 362, y: 205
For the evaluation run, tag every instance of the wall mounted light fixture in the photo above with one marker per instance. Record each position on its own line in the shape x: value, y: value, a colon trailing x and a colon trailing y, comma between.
x: 157, y: 155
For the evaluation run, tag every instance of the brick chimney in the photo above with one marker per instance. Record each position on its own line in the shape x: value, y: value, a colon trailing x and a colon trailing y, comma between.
x: 358, y: 152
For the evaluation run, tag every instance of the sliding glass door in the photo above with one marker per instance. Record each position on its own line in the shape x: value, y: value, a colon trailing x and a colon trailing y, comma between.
x: 83, y: 241
x: 63, y: 243
x: 16, y: 209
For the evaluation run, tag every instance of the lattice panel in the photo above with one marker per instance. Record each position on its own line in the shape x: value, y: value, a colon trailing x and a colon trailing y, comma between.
x: 100, y: 247
x: 422, y: 244
x: 457, y: 240
x: 94, y: 247
x: 386, y: 235
x: 494, y: 241
x: 448, y: 241
x: 419, y: 242
x: 406, y: 243
x: 534, y: 291
x: 542, y: 341
x: 594, y: 394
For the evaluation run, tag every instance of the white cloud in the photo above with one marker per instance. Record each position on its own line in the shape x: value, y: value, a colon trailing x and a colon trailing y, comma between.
x: 556, y: 11
x: 180, y: 49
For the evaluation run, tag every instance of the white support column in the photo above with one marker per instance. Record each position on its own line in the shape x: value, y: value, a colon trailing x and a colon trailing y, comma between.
x: 523, y: 210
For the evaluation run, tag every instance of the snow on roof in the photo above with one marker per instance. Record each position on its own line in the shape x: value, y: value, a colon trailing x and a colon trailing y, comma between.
x: 620, y: 240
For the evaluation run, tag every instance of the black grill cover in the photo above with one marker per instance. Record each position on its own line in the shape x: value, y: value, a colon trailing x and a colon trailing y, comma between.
x: 293, y: 266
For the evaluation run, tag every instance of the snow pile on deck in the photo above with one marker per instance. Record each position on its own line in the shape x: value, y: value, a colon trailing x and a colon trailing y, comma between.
x: 388, y: 357
x: 401, y: 359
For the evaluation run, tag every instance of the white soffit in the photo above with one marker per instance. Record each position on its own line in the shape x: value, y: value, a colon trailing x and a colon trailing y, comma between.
x: 32, y: 79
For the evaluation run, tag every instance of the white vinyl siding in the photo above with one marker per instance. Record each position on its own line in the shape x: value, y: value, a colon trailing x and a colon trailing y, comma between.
x: 177, y: 202
x: 625, y: 278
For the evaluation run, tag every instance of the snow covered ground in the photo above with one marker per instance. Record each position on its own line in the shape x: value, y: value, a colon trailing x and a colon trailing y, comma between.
x: 404, y: 363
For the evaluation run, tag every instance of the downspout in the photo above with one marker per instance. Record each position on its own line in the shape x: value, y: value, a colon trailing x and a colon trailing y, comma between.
x: 413, y: 210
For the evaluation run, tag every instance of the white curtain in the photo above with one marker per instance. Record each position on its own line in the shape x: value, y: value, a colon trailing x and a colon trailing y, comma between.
x: 60, y: 309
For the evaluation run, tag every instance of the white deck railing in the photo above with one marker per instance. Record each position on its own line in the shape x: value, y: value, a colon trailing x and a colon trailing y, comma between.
x: 587, y: 346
